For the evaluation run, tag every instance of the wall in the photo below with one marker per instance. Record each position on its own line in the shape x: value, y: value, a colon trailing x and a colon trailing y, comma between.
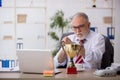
x: 70, y: 7
x: 117, y: 32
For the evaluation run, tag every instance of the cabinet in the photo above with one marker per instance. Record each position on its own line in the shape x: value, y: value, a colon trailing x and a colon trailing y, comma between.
x: 22, y: 26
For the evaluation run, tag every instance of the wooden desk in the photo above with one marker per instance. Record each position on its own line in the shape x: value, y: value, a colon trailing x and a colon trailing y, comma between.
x: 85, y: 75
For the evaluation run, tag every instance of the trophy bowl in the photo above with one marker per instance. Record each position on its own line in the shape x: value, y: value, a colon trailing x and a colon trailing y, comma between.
x: 71, y: 50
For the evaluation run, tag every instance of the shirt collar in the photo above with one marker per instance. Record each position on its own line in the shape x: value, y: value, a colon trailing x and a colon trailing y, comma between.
x: 89, y: 35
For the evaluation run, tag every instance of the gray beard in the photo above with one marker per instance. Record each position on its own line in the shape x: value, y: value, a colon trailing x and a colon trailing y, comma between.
x: 82, y: 36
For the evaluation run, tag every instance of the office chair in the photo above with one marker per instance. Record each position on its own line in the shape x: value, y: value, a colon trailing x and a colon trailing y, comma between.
x: 108, y: 56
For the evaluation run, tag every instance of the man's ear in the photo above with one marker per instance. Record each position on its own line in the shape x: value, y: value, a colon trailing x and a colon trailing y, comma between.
x: 89, y: 24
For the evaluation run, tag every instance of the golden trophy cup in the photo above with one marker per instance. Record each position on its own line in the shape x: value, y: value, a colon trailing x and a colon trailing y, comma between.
x: 71, y: 50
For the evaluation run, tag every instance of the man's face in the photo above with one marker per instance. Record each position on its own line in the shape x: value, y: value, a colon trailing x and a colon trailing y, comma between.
x: 80, y: 27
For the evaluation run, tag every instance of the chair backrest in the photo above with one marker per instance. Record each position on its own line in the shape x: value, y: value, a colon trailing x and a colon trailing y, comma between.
x: 108, y: 56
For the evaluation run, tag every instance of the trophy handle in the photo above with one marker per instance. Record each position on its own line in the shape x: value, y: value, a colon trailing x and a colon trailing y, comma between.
x: 63, y: 44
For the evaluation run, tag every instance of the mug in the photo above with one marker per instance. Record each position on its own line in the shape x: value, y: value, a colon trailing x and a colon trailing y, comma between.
x: 79, y: 66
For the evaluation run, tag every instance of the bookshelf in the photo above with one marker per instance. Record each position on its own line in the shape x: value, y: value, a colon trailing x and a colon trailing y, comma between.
x: 22, y: 26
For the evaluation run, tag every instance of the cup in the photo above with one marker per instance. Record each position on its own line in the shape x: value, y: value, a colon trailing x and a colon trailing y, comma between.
x: 79, y: 67
x: 71, y: 50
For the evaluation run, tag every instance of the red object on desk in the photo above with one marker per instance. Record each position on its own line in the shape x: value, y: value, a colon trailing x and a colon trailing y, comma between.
x: 71, y: 70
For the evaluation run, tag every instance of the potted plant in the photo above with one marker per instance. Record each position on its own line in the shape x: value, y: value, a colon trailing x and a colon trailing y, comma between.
x: 58, y: 22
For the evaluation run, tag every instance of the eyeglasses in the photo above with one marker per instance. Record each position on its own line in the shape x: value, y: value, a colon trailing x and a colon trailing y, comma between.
x: 78, y: 27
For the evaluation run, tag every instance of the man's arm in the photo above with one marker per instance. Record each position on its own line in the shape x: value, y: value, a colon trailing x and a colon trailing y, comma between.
x: 61, y: 57
x: 59, y: 60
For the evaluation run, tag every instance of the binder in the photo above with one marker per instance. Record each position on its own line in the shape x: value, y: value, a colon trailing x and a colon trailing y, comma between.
x: 111, y: 32
x: 0, y: 3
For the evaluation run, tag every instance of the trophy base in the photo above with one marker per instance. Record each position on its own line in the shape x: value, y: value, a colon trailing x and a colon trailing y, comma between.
x: 71, y: 70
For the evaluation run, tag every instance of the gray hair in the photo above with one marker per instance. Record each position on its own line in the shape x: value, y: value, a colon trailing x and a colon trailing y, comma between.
x: 81, y: 14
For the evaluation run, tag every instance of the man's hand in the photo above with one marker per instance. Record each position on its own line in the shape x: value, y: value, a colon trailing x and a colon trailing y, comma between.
x: 66, y: 40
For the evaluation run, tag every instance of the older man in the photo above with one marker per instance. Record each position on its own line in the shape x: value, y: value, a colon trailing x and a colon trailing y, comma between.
x: 93, y: 45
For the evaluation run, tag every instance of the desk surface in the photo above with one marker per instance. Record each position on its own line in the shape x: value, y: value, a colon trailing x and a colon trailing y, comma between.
x: 85, y: 75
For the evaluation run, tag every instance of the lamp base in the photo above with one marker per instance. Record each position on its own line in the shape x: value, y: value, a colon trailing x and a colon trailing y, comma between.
x: 71, y: 70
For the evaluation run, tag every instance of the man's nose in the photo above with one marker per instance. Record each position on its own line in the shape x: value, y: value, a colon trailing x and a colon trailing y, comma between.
x: 78, y: 30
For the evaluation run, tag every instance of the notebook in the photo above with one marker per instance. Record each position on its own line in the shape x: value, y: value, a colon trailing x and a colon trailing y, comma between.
x: 35, y: 61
